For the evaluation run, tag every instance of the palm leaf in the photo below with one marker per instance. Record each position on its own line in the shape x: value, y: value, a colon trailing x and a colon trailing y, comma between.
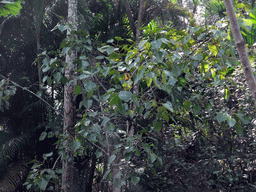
x: 10, y: 150
x: 14, y: 177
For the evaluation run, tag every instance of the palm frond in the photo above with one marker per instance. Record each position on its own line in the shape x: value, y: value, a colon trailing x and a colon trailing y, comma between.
x: 10, y: 151
x: 14, y: 176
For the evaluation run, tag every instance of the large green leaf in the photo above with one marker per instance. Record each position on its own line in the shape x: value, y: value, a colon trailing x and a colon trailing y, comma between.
x: 125, y: 95
x: 168, y: 105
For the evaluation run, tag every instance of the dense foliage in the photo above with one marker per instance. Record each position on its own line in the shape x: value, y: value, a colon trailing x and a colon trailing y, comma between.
x: 170, y: 113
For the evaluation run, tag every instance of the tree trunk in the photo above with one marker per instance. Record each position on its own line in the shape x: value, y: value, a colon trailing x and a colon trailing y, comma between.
x: 240, y: 43
x: 69, y: 106
x: 116, y: 165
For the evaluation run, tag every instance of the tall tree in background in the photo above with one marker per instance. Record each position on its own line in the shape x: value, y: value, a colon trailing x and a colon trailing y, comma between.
x: 69, y: 105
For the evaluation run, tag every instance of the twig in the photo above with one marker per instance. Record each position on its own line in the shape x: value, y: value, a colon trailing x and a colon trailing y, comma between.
x: 100, y: 83
x: 96, y: 146
x: 17, y: 85
x: 55, y: 162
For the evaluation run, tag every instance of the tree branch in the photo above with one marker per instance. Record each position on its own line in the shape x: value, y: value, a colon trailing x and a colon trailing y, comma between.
x: 24, y: 88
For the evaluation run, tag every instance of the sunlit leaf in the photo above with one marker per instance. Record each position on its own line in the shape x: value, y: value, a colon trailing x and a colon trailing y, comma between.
x: 231, y: 121
x: 168, y: 105
x: 141, y: 44
x: 213, y: 49
x: 226, y: 93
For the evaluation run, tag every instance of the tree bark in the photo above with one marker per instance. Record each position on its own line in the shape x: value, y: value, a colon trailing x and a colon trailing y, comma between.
x: 69, y: 106
x: 241, y: 47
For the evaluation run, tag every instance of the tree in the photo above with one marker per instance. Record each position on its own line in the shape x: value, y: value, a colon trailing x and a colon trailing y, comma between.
x: 69, y: 105
x: 240, y: 43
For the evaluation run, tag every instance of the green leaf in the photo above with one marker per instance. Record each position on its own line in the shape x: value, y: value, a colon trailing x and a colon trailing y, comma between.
x: 110, y: 49
x: 48, y: 154
x: 100, y: 57
x: 75, y: 145
x: 88, y: 103
x: 63, y: 27
x: 42, y: 136
x: 105, y: 120
x: 156, y: 44
x: 152, y: 157
x: 244, y: 119
x: 141, y: 44
x: 221, y: 117
x: 111, y: 159
x: 98, y: 154
x: 148, y: 81
x: 127, y: 156
x: 83, y: 76
x: 89, y: 86
x: 226, y: 93
x: 146, y: 147
x: 38, y: 93
x: 42, y: 183
x: 231, y: 121
x: 239, y: 129
x: 57, y: 76
x: 6, y: 97
x: 84, y: 64
x: 213, y: 49
x: 168, y: 105
x: 65, y: 50
x: 148, y: 104
x: 77, y: 89
x: 110, y: 41
x: 125, y: 95
x: 239, y: 5
x: 135, y: 180
x: 114, y: 98
x: 106, y: 174
x: 137, y: 151
x: 50, y: 134
x: 197, y: 109
x: 187, y: 104
x: 118, y: 38
x: 10, y: 7
x: 158, y: 126
x: 106, y: 72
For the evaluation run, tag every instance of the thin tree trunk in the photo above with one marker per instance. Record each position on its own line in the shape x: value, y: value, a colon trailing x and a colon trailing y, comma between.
x: 116, y: 165
x: 240, y: 43
x: 69, y: 106
x: 136, y: 86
